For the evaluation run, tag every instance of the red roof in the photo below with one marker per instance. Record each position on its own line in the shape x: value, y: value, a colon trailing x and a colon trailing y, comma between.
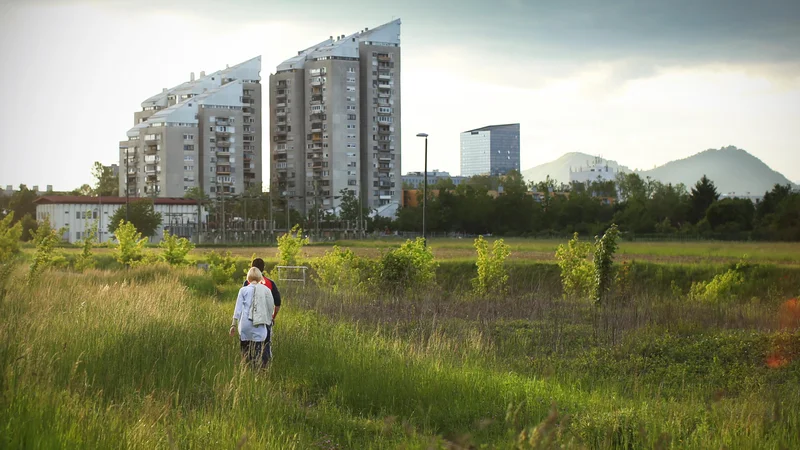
x: 85, y: 200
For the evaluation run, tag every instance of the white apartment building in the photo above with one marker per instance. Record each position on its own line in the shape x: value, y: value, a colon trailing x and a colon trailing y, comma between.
x: 203, y: 133
x: 335, y: 113
x: 78, y: 213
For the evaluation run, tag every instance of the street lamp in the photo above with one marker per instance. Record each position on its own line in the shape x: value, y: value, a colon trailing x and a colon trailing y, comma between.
x: 424, y: 187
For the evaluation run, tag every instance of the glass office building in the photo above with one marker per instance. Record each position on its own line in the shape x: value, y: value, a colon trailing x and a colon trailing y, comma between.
x: 492, y: 150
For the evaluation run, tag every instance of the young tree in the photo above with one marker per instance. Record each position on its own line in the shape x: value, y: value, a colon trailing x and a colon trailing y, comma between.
x: 9, y: 237
x: 141, y: 214
x: 46, y: 238
x: 106, y: 183
x: 175, y: 249
x: 130, y: 244
x: 704, y: 193
x: 85, y: 190
x: 350, y: 206
x: 86, y: 259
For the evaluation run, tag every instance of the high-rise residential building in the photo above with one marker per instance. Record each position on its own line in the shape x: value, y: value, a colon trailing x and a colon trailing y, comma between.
x: 492, y: 150
x: 203, y: 133
x: 335, y: 121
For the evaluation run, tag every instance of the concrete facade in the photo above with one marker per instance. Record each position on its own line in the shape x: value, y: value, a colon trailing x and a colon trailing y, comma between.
x: 335, y: 110
x: 205, y: 133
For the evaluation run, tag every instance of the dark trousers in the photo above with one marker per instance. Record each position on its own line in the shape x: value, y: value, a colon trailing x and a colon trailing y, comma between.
x: 258, y: 353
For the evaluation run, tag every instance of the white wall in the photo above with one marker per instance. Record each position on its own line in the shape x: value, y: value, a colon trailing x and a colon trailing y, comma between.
x: 65, y: 215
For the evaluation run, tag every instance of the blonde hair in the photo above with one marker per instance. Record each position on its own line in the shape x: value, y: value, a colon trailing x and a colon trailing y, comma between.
x: 254, y: 275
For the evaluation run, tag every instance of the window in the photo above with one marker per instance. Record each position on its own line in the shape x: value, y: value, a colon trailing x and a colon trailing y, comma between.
x: 351, y: 70
x: 351, y: 145
x: 350, y: 99
x: 351, y: 88
x: 188, y: 158
x: 351, y: 127
x: 351, y: 182
x: 351, y: 155
x: 351, y: 136
x: 351, y: 117
x: 351, y: 164
x: 351, y: 80
x: 188, y: 137
x: 352, y: 107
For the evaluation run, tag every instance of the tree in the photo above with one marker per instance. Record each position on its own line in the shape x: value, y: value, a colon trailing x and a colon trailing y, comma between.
x: 350, y: 206
x: 141, y: 214
x: 85, y: 190
x: 106, y: 183
x: 9, y: 237
x: 731, y: 215
x: 46, y: 238
x: 22, y: 202
x: 175, y: 249
x: 704, y: 193
x: 130, y: 244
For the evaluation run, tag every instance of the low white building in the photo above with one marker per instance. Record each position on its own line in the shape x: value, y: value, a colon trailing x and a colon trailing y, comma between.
x: 599, y: 171
x: 77, y: 214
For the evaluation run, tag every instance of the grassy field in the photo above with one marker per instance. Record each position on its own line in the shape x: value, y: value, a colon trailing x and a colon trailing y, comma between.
x: 706, y: 252
x: 141, y: 359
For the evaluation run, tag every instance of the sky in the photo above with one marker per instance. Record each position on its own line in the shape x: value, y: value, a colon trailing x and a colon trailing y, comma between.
x: 642, y: 82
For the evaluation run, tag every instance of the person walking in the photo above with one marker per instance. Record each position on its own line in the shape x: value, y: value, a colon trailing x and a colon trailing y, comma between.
x: 259, y: 264
x: 254, y: 312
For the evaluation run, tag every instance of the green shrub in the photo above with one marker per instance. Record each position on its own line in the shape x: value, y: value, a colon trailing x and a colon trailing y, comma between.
x: 175, y: 249
x: 719, y: 290
x: 45, y: 239
x: 409, y: 266
x: 492, y: 275
x: 9, y: 237
x: 338, y: 269
x: 86, y: 258
x: 577, y: 272
x: 289, y: 246
x: 221, y: 267
x: 130, y: 244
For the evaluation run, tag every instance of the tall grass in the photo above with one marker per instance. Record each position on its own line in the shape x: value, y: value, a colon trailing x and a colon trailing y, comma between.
x: 141, y: 359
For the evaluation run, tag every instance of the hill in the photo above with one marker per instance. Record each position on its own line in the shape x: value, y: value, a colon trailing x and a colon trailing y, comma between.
x: 559, y: 169
x: 732, y: 170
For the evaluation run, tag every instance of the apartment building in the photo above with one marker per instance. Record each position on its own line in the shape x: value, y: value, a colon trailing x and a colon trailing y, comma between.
x: 203, y: 133
x: 491, y: 150
x: 335, y: 114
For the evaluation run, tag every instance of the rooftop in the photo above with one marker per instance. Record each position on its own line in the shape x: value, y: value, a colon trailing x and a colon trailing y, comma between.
x: 494, y: 127
x: 86, y: 200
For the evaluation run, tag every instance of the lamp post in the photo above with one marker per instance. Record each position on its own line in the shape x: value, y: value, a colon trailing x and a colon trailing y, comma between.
x: 424, y: 188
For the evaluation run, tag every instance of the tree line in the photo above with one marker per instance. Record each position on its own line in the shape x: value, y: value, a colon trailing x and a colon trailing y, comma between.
x: 639, y: 206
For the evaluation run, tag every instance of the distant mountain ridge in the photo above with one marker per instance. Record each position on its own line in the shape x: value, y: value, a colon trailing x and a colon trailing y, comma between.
x: 560, y: 168
x: 732, y: 170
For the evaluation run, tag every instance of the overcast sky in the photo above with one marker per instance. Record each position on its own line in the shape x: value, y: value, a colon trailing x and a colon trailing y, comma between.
x: 640, y: 82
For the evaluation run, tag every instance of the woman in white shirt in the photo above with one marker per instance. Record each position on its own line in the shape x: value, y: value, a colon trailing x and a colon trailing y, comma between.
x: 254, y: 310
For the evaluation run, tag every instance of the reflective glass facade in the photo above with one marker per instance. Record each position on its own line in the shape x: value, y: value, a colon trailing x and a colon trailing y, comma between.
x: 492, y: 150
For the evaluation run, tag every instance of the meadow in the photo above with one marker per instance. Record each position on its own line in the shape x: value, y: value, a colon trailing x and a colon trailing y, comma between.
x: 140, y: 358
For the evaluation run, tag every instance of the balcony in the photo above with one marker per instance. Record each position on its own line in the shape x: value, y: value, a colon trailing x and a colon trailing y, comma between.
x: 316, y: 127
x: 224, y: 144
x: 223, y: 170
x: 151, y: 150
x: 384, y: 130
x: 248, y: 111
x: 152, y: 141
x: 384, y: 58
x: 223, y: 122
x: 316, y: 137
x: 384, y: 76
x: 384, y: 94
x: 281, y: 114
x: 385, y: 111
x: 223, y: 133
x: 282, y: 84
x: 384, y: 119
x: 384, y: 86
x: 318, y: 82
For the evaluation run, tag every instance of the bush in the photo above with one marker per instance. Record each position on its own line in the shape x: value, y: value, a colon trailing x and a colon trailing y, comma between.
x: 720, y: 289
x: 45, y: 239
x: 577, y: 272
x: 86, y: 259
x: 130, y: 244
x: 9, y: 237
x: 175, y: 249
x: 409, y: 266
x: 221, y: 267
x: 340, y: 270
x: 492, y: 275
x: 289, y: 246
